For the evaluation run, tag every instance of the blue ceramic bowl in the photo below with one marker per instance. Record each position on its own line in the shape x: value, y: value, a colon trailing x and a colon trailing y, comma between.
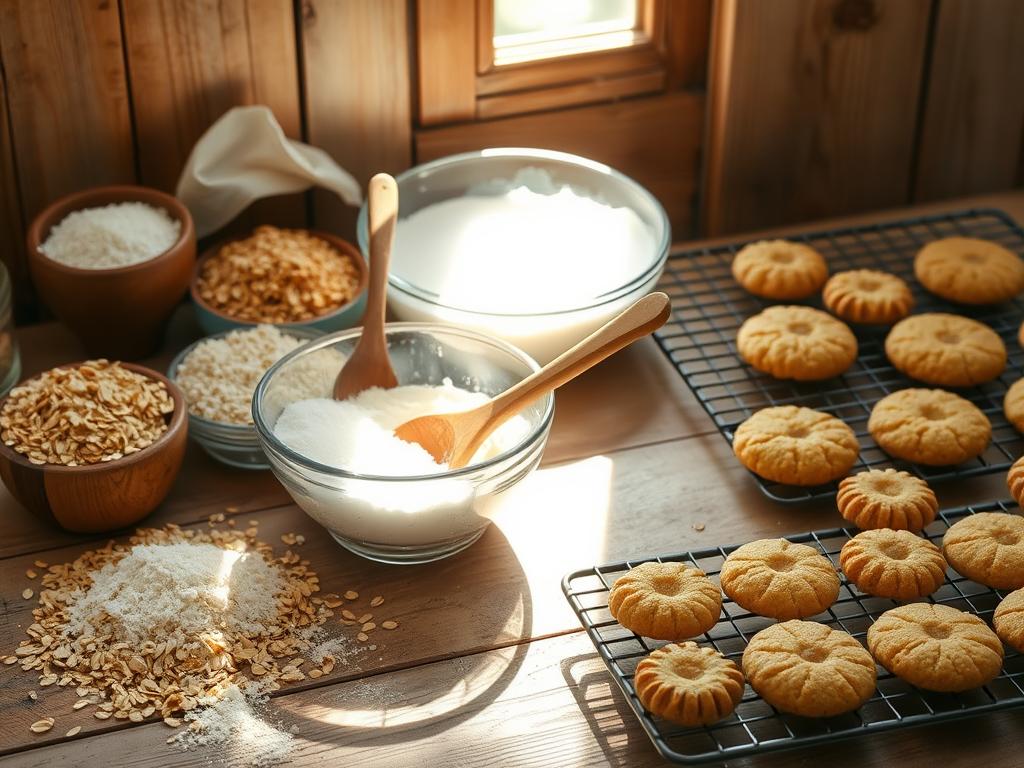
x: 346, y: 316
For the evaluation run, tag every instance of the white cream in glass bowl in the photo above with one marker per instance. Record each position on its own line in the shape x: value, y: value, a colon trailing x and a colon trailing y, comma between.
x: 537, y: 247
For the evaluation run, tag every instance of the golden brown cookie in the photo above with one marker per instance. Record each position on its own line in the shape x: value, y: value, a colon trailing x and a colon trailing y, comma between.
x: 936, y: 647
x: 969, y: 271
x: 792, y: 342
x: 779, y: 269
x: 945, y: 350
x: 868, y: 296
x: 1013, y: 404
x: 896, y: 564
x: 666, y: 601
x: 794, y: 445
x: 1008, y: 620
x: 809, y: 669
x: 886, y: 498
x: 688, y: 684
x: 780, y: 579
x: 987, y: 547
x: 1015, y: 480
x: 929, y: 426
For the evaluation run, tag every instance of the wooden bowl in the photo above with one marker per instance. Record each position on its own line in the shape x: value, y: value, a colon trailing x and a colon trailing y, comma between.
x: 107, y: 495
x: 346, y: 316
x: 118, y: 313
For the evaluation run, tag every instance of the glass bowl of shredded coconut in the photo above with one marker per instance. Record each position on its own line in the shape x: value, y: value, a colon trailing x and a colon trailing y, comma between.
x: 218, y: 375
x: 539, y: 248
x: 378, y: 496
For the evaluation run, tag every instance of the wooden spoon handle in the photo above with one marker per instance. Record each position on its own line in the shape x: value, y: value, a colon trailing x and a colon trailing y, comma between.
x: 382, y: 212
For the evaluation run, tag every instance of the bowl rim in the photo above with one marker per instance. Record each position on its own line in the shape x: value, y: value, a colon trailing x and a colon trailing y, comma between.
x: 340, y: 243
x: 80, y: 200
x: 613, y: 294
x: 273, y: 445
x: 176, y: 424
x: 202, y: 421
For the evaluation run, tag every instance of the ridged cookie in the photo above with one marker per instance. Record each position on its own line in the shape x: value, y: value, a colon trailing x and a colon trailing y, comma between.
x: 886, y: 498
x: 666, y: 601
x: 895, y: 564
x: 780, y: 269
x: 793, y: 342
x: 1015, y: 480
x: 868, y: 296
x: 688, y: 684
x: 809, y: 669
x: 945, y: 350
x: 936, y: 647
x: 987, y: 547
x: 969, y: 271
x: 780, y: 579
x: 929, y: 426
x: 795, y: 445
x: 1008, y: 620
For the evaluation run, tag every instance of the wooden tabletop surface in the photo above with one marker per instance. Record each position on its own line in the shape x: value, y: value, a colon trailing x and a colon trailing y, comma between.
x: 489, y: 666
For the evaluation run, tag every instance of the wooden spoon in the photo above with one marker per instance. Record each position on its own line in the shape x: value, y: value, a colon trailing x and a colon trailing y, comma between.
x: 369, y: 365
x: 455, y: 437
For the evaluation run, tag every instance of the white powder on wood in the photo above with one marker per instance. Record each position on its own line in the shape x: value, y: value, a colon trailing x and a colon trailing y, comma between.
x: 194, y: 588
x: 116, y: 235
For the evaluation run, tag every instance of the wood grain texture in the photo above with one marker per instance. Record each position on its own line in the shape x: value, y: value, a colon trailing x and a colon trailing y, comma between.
x: 446, y: 56
x: 813, y: 109
x: 68, y: 97
x: 657, y: 139
x: 973, y: 120
x: 357, y: 93
x: 12, y: 229
x: 190, y: 62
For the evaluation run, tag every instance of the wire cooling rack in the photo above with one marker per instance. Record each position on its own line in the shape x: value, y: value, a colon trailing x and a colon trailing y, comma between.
x: 708, y: 307
x: 756, y: 726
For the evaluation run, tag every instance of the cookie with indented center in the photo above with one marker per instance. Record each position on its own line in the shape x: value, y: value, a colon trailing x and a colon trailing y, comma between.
x: 688, y: 684
x: 809, y: 669
x: 868, y: 296
x: 780, y: 269
x: 794, y: 342
x: 929, y: 426
x: 896, y: 564
x: 666, y: 601
x: 886, y: 498
x: 987, y: 547
x: 1008, y: 620
x: 969, y: 271
x: 780, y: 579
x: 945, y: 350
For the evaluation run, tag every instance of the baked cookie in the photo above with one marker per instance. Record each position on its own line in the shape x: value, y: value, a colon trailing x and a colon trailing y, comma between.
x: 929, y: 426
x: 792, y: 342
x: 779, y: 269
x: 688, y: 684
x: 1008, y: 620
x: 896, y: 564
x: 779, y: 579
x: 945, y: 350
x: 886, y: 498
x: 1020, y: 335
x: 809, y: 669
x: 795, y: 445
x: 987, y: 547
x: 1015, y: 480
x: 666, y: 601
x: 936, y: 647
x: 1013, y: 404
x: 868, y: 296
x: 969, y: 271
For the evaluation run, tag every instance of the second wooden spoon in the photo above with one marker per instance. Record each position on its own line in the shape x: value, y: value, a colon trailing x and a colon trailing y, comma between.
x: 455, y: 437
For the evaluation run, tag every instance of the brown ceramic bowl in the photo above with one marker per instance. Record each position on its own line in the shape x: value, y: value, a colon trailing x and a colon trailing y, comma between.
x: 346, y: 316
x: 118, y: 313
x: 107, y: 495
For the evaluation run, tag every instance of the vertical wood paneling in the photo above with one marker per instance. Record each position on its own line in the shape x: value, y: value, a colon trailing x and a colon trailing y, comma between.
x: 356, y: 79
x: 974, y: 108
x: 447, y: 51
x: 813, y: 109
x: 67, y: 95
x: 12, y: 231
x: 192, y: 60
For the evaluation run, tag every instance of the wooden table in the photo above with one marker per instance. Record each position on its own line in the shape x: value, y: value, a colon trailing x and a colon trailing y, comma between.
x: 489, y: 666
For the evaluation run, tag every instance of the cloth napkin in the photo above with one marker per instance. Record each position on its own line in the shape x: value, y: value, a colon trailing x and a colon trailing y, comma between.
x: 245, y: 156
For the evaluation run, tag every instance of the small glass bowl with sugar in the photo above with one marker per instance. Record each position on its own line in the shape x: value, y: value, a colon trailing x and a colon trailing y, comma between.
x: 340, y: 462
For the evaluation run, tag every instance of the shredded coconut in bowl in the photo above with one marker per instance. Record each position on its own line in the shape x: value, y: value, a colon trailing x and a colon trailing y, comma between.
x: 111, y: 236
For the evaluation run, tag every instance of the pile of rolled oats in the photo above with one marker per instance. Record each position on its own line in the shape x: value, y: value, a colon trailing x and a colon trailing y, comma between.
x: 97, y: 411
x: 278, y: 276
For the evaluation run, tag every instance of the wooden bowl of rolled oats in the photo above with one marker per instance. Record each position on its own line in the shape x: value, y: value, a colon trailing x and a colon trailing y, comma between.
x: 94, y: 445
x: 293, y: 278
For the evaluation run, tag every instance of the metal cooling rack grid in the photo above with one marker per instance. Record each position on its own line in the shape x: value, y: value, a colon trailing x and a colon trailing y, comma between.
x: 756, y: 726
x: 709, y: 307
